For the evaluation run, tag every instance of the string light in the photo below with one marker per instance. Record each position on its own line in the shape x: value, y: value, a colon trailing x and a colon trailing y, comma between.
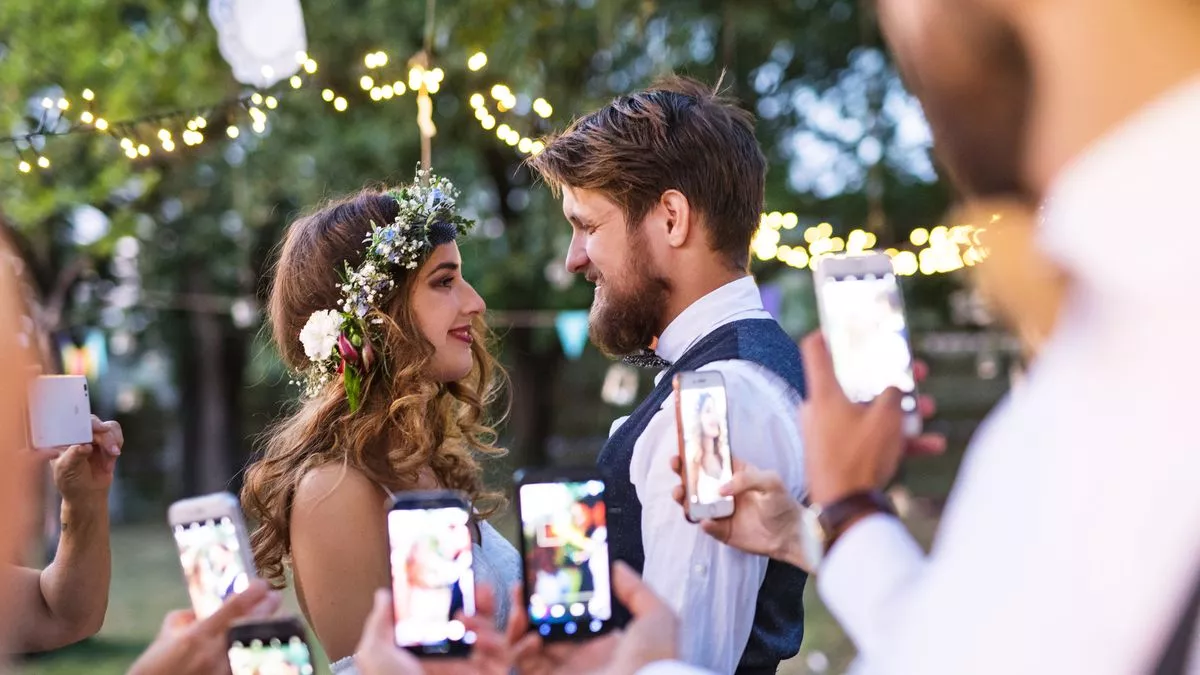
x: 88, y: 95
x: 101, y: 124
x: 296, y: 82
x: 367, y: 82
x: 86, y: 117
x: 941, y: 250
x: 143, y: 150
x: 24, y: 167
x: 271, y: 102
x: 256, y: 99
x: 340, y: 104
x: 43, y: 161
x: 63, y: 104
x: 327, y: 95
x: 477, y: 61
x: 310, y: 66
x: 543, y: 108
x: 232, y: 132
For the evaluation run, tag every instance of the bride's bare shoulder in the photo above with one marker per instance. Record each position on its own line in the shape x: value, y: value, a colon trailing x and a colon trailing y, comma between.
x: 337, y: 487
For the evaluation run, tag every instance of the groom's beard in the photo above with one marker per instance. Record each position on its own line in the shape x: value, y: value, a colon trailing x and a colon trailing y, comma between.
x: 625, y: 315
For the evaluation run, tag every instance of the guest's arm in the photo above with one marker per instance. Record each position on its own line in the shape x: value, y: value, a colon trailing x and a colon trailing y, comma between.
x: 66, y: 602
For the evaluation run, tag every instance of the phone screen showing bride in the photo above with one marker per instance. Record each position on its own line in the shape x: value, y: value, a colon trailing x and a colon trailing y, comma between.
x: 565, y: 544
x: 432, y: 581
x: 703, y: 421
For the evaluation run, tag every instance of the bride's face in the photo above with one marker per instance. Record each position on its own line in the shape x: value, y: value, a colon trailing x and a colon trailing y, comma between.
x: 444, y: 305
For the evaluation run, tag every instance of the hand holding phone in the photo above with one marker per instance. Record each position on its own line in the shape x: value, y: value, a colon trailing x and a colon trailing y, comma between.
x: 429, y: 537
x: 702, y: 421
x: 214, y: 549
x: 863, y: 319
x: 564, y: 551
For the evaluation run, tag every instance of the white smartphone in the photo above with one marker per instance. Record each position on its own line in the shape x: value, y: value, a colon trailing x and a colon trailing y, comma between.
x: 214, y: 549
x: 702, y: 420
x: 60, y: 411
x: 862, y: 316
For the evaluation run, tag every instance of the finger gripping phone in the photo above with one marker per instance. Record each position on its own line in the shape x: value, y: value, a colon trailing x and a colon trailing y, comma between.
x: 564, y: 551
x: 214, y: 549
x: 702, y: 422
x: 863, y: 319
x: 273, y: 647
x: 60, y: 412
x: 429, y: 538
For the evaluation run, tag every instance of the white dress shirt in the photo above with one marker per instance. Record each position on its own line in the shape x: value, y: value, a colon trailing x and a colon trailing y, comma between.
x: 713, y: 588
x: 1072, y: 536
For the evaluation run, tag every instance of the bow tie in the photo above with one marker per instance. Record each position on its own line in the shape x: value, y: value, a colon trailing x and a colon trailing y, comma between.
x: 647, y: 358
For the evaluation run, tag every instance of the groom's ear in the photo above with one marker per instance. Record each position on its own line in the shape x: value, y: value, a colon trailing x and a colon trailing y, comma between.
x: 678, y: 213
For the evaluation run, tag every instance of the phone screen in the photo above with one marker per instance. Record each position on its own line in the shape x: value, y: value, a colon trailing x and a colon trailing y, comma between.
x: 566, y: 557
x: 431, y: 578
x: 212, y: 558
x: 867, y: 333
x: 705, y: 426
x: 275, y: 656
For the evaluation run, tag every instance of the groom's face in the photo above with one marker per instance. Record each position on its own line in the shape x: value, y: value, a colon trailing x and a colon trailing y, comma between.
x: 631, y: 292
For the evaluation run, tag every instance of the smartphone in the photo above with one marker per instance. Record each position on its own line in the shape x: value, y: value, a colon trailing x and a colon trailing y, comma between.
x: 214, y: 549
x: 272, y: 647
x: 862, y: 316
x: 702, y: 421
x: 429, y: 537
x: 564, y: 553
x: 60, y: 412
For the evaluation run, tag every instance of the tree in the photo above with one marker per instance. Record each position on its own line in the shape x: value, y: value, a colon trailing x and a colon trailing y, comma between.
x: 206, y: 220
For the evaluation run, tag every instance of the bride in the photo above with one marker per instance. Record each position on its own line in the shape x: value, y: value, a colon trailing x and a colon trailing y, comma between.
x: 370, y: 308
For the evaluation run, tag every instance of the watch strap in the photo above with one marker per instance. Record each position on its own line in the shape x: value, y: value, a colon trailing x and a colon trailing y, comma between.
x: 837, y: 517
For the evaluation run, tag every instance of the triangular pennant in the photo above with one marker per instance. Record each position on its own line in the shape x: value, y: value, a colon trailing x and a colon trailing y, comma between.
x: 572, y: 329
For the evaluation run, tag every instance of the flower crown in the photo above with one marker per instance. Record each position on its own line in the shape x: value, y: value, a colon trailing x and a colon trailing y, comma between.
x: 338, y: 342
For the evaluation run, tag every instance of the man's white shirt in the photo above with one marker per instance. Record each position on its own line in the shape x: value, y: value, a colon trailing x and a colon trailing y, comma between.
x: 713, y: 588
x: 1072, y: 536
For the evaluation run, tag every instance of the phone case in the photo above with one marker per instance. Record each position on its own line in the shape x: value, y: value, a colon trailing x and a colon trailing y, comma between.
x: 60, y: 412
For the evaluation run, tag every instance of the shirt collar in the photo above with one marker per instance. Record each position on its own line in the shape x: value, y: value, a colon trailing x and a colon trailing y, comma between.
x: 709, y: 312
x: 1137, y: 176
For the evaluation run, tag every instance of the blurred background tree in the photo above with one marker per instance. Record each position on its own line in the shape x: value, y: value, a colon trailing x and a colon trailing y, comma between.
x: 170, y: 254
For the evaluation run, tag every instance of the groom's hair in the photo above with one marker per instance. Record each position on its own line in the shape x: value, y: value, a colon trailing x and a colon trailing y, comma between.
x: 678, y: 134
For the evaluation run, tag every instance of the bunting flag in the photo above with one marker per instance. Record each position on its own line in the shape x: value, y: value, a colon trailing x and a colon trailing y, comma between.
x: 572, y: 327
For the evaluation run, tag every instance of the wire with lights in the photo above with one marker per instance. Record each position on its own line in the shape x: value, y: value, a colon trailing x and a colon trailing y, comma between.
x: 937, y: 251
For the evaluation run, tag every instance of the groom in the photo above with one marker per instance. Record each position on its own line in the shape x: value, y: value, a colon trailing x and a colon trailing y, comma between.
x: 663, y: 189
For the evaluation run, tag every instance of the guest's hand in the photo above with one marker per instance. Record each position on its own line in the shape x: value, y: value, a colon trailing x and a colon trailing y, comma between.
x: 766, y: 518
x: 186, y: 646
x: 651, y: 636
x: 377, y: 653
x: 851, y: 447
x: 84, y: 473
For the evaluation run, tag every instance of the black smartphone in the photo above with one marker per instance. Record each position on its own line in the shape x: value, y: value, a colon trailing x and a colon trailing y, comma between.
x: 429, y: 537
x: 273, y: 647
x: 564, y: 552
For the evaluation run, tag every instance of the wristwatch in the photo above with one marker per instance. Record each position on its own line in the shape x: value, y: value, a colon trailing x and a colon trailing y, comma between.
x: 821, y: 526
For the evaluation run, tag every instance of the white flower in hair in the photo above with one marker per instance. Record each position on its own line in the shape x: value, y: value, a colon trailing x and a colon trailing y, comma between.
x: 319, y: 336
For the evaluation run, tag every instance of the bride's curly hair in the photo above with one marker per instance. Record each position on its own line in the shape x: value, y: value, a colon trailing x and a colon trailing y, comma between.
x: 407, y: 422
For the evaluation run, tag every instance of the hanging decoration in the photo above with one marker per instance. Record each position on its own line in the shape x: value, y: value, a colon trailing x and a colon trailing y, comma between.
x: 258, y: 38
x: 572, y: 327
x: 620, y: 386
